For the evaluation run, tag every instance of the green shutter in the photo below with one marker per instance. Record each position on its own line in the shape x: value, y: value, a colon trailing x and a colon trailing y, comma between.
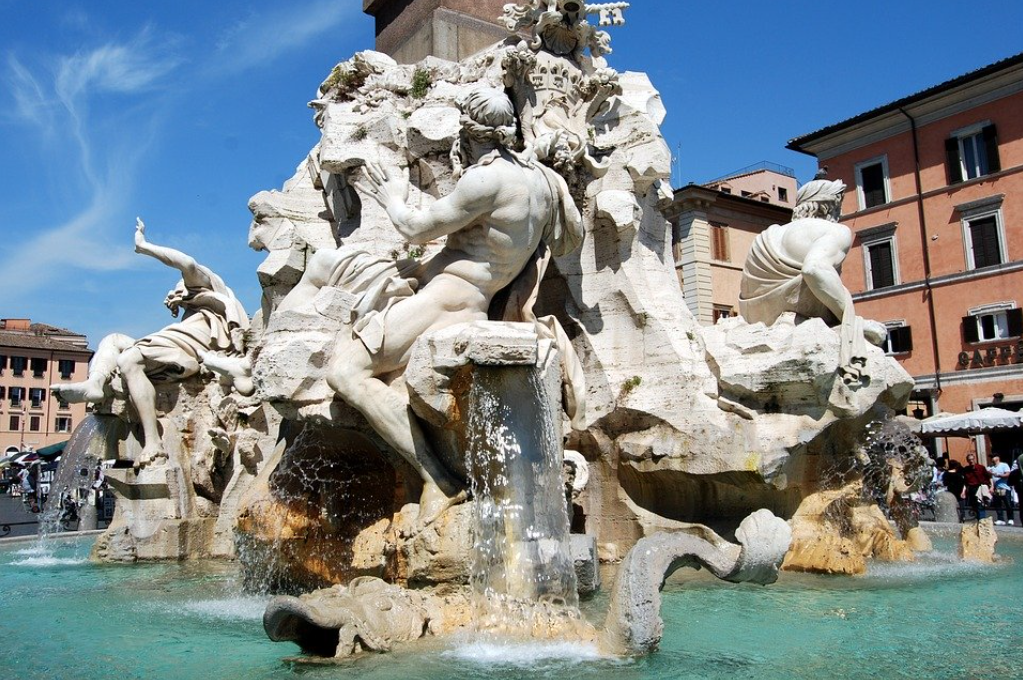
x: 954, y: 167
x: 990, y: 135
x: 1015, y: 322
x: 970, y: 332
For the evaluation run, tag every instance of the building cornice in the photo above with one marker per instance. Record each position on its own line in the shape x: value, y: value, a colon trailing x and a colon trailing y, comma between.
x: 947, y: 279
x: 985, y: 85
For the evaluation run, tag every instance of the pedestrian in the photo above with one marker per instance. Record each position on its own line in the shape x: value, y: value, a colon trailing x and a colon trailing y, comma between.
x: 1016, y: 479
x: 976, y: 476
x: 1001, y: 492
x: 956, y: 485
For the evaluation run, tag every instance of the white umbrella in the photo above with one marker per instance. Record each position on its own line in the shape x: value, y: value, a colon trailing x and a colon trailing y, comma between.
x: 981, y: 421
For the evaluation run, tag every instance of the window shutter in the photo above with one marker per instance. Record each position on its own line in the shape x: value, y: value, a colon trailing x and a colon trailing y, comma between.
x: 984, y: 238
x: 970, y: 331
x: 1015, y: 322
x: 955, y: 169
x: 882, y: 271
x: 3, y: 362
x: 991, y: 144
x: 902, y: 339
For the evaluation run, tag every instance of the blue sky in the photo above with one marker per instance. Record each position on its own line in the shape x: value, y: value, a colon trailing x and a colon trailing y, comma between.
x: 180, y: 111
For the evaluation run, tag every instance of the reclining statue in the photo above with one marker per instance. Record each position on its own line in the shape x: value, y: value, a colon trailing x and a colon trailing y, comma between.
x: 796, y: 267
x: 213, y: 321
x: 504, y: 219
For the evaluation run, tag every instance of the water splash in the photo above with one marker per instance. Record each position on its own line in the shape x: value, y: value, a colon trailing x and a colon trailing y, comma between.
x: 521, y: 570
x: 523, y: 655
x: 236, y: 608
x: 48, y: 561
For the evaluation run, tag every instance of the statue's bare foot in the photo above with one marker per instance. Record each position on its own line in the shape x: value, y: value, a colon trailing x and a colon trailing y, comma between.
x: 89, y: 391
x: 237, y: 369
x: 433, y: 502
x: 150, y: 454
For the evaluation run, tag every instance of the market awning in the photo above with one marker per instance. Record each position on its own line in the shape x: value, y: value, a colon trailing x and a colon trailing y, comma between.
x: 52, y: 450
x: 982, y: 421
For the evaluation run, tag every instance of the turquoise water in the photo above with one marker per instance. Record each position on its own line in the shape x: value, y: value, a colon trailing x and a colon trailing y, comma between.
x: 62, y: 617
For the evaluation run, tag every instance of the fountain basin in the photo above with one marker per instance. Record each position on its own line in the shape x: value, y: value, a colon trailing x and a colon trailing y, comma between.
x: 66, y: 617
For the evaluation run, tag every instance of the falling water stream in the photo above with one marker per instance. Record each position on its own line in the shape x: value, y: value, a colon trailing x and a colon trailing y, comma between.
x: 522, y: 568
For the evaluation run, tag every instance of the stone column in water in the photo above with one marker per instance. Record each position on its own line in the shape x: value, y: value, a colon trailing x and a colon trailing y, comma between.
x: 495, y: 388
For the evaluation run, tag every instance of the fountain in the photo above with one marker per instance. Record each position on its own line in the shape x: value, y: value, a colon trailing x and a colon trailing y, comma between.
x: 469, y: 281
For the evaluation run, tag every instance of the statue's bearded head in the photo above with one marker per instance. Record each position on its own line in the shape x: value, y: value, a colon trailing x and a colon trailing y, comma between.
x: 820, y: 198
x: 488, y: 120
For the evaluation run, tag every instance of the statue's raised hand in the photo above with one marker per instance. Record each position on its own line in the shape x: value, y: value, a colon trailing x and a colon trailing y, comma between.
x: 384, y: 186
x: 140, y: 234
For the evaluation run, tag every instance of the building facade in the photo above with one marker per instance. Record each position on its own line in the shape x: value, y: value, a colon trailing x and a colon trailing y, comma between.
x: 34, y: 357
x: 935, y: 201
x: 713, y: 227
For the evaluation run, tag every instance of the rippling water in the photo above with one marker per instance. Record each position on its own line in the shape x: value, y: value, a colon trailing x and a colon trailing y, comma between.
x: 936, y: 618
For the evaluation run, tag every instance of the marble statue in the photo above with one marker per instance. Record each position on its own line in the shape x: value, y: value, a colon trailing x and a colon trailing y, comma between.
x: 796, y: 267
x: 504, y: 209
x: 213, y: 323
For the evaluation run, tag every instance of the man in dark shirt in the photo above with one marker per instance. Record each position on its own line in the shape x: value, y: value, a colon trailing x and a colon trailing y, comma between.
x: 975, y: 475
x: 953, y: 480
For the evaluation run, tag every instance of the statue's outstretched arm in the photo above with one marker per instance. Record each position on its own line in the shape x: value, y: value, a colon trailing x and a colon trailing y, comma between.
x: 821, y: 275
x: 192, y: 274
x: 473, y: 197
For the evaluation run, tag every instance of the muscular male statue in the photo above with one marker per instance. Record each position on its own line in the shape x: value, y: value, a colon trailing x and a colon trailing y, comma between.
x: 796, y: 267
x: 501, y: 209
x: 213, y: 321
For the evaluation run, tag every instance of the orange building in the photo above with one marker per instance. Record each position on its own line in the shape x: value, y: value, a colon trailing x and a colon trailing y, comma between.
x: 33, y: 357
x: 936, y: 203
x: 713, y: 227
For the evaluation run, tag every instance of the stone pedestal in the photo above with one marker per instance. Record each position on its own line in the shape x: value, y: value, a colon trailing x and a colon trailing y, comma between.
x: 497, y: 388
x: 946, y: 507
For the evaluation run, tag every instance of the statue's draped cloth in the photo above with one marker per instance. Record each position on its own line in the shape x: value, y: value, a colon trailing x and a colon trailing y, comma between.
x: 772, y: 284
x: 214, y: 321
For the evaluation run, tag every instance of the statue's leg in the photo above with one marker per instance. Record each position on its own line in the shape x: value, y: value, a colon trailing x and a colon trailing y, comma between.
x: 103, y: 365
x: 143, y: 397
x: 388, y: 412
x: 825, y: 283
x: 316, y: 275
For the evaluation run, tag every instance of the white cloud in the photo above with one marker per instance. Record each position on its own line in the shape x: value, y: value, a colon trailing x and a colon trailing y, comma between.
x: 122, y: 68
x: 30, y: 101
x: 261, y: 38
x: 58, y: 103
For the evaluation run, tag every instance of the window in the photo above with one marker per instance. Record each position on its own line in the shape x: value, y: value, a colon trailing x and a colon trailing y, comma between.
x: 984, y: 247
x: 899, y: 340
x: 61, y: 402
x: 38, y: 367
x: 66, y: 368
x: 63, y: 424
x: 719, y: 242
x: 880, y: 263
x: 3, y: 363
x: 15, y: 423
x: 33, y: 424
x: 722, y: 312
x: 995, y: 322
x: 972, y: 152
x: 18, y: 366
x: 872, y: 184
x: 726, y: 190
x: 783, y: 194
x: 983, y: 232
x: 746, y: 194
x: 17, y: 396
x: 37, y: 396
